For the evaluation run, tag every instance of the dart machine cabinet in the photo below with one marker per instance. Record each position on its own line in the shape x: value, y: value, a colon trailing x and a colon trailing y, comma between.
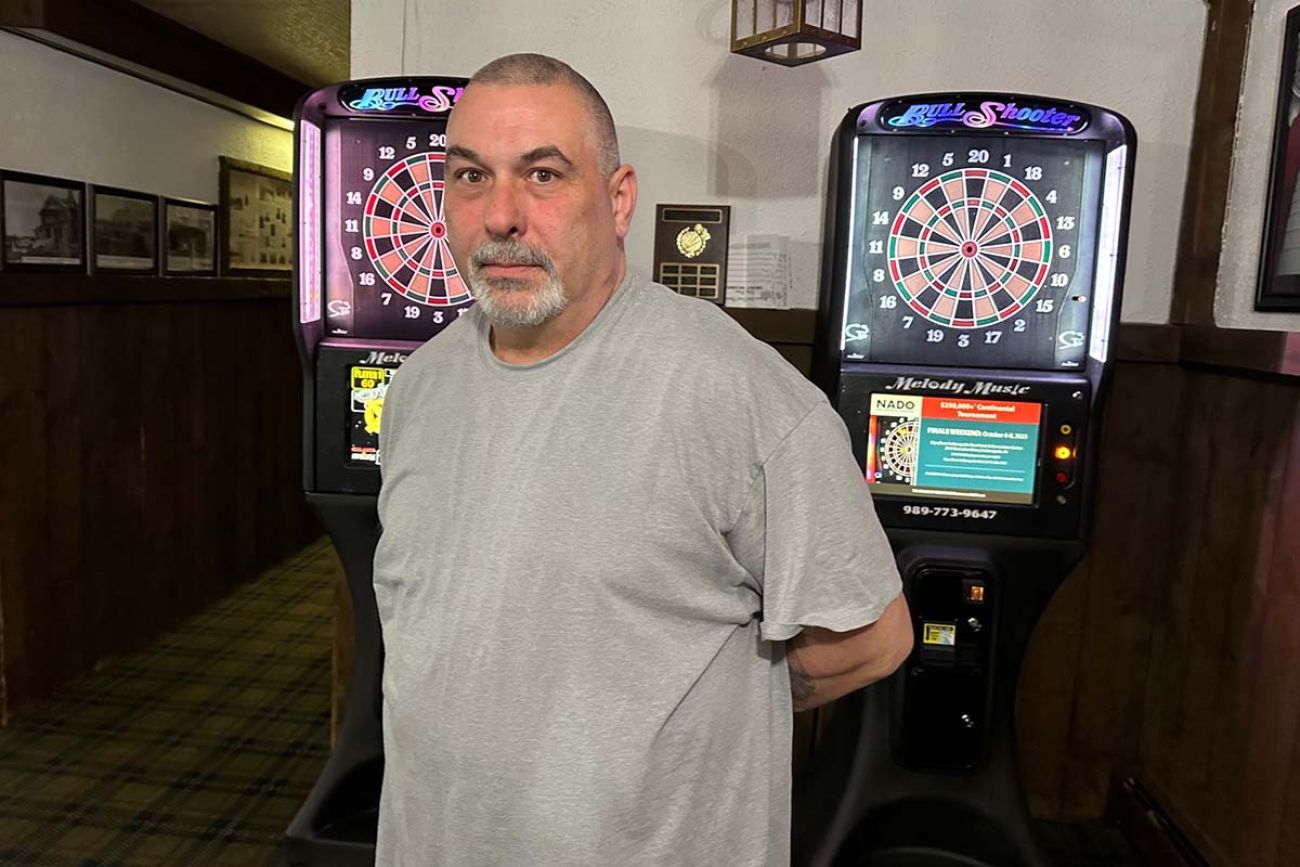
x: 970, y: 295
x: 374, y: 279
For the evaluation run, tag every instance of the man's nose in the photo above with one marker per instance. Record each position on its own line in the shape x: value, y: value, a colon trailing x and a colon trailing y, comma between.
x: 504, y: 215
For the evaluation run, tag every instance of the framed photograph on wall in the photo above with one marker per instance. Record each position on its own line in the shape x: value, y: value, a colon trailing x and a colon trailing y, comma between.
x: 42, y: 223
x: 256, y: 220
x: 1278, y: 286
x: 189, y: 238
x: 123, y: 231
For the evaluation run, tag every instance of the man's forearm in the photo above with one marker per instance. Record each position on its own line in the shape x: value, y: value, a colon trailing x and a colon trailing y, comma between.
x: 826, y: 665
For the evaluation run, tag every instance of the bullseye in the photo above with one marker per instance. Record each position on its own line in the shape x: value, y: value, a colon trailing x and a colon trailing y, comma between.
x: 437, y: 230
x: 969, y: 249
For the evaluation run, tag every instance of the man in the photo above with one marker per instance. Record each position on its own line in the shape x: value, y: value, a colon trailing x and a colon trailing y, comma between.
x: 618, y: 533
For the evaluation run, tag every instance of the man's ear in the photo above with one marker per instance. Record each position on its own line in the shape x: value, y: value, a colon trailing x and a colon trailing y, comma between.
x: 622, y: 196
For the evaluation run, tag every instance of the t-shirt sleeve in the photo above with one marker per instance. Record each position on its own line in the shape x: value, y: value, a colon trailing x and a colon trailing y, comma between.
x: 809, y: 535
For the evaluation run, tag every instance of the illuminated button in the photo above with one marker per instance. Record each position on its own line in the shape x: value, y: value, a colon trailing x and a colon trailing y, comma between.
x: 1066, y: 429
x: 1064, y: 453
x: 974, y: 592
x: 1062, y: 478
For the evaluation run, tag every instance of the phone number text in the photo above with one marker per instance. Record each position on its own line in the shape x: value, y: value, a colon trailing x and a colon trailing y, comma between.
x: 950, y: 512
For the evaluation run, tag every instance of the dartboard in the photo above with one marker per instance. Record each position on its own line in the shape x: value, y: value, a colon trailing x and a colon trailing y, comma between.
x: 970, y: 248
x: 406, y: 235
x: 898, y: 448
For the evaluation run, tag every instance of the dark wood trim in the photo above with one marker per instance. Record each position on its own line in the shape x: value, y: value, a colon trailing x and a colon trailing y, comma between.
x: 1149, y: 827
x: 777, y: 326
x: 144, y: 38
x: 1275, y: 352
x: 1200, y: 242
x: 1150, y: 343
x: 47, y: 290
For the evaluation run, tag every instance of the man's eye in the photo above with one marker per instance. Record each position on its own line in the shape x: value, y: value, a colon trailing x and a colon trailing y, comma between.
x: 473, y: 176
x: 543, y: 176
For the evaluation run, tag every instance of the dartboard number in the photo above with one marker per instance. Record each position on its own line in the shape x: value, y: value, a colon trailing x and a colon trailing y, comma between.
x: 1065, y: 223
x: 888, y: 302
x: 992, y: 337
x: 920, y: 170
x: 1057, y: 281
x: 880, y: 218
x: 963, y: 340
x: 351, y: 226
x: 354, y: 197
x: 1044, y: 305
x: 411, y: 311
x: 1033, y: 173
x: 366, y: 278
x: 876, y: 247
x: 978, y: 157
x: 387, y: 152
x: 934, y: 335
x: 437, y: 140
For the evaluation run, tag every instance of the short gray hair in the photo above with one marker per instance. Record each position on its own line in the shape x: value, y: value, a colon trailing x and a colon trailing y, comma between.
x: 538, y: 69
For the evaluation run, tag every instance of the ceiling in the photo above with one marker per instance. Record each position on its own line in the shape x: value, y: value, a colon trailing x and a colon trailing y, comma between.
x: 306, y: 39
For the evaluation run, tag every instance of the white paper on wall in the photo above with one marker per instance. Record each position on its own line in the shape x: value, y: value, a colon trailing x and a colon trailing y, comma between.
x: 758, y: 272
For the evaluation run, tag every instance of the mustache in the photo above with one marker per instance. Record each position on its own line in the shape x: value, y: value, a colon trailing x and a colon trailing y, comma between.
x: 510, y: 252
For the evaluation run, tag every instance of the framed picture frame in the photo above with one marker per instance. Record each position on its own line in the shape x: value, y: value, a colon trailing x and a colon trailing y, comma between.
x: 42, y: 223
x: 190, y: 238
x: 256, y: 220
x: 1278, y: 284
x: 123, y: 231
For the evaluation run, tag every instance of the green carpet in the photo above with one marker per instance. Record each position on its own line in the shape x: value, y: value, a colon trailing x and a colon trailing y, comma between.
x: 195, y: 752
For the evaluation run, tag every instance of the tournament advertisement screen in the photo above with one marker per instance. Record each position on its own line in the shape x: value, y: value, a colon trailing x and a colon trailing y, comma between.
x: 367, y: 386
x: 954, y: 448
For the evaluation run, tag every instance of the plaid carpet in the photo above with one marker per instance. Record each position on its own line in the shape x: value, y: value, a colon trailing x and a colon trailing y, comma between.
x: 196, y: 751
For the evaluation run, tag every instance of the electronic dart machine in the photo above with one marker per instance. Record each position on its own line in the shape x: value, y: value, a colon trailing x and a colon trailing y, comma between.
x: 374, y: 279
x: 970, y: 291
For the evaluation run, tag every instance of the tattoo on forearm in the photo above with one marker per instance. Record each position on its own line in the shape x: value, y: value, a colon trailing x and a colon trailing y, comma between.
x: 801, y: 685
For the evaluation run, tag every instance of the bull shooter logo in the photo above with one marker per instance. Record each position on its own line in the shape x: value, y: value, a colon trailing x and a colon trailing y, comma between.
x: 438, y: 100
x: 1036, y: 116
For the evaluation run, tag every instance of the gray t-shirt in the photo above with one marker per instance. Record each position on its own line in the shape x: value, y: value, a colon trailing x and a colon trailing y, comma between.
x: 587, y: 569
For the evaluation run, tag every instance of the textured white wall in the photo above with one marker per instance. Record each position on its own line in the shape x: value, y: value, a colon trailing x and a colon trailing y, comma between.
x: 76, y: 119
x: 702, y: 125
x: 1234, y: 302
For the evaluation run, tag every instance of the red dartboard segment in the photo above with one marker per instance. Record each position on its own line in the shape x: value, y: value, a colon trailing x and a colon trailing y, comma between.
x: 964, y: 245
x: 406, y: 234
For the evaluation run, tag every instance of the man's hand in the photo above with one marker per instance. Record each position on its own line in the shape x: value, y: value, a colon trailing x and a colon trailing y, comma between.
x: 825, y: 665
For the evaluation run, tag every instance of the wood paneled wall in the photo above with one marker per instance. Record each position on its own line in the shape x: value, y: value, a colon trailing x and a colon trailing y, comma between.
x: 1079, y: 706
x: 150, y: 463
x: 1220, y: 745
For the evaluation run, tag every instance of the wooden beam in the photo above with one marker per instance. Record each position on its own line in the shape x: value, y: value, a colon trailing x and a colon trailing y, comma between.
x: 1200, y: 243
x: 144, y: 42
